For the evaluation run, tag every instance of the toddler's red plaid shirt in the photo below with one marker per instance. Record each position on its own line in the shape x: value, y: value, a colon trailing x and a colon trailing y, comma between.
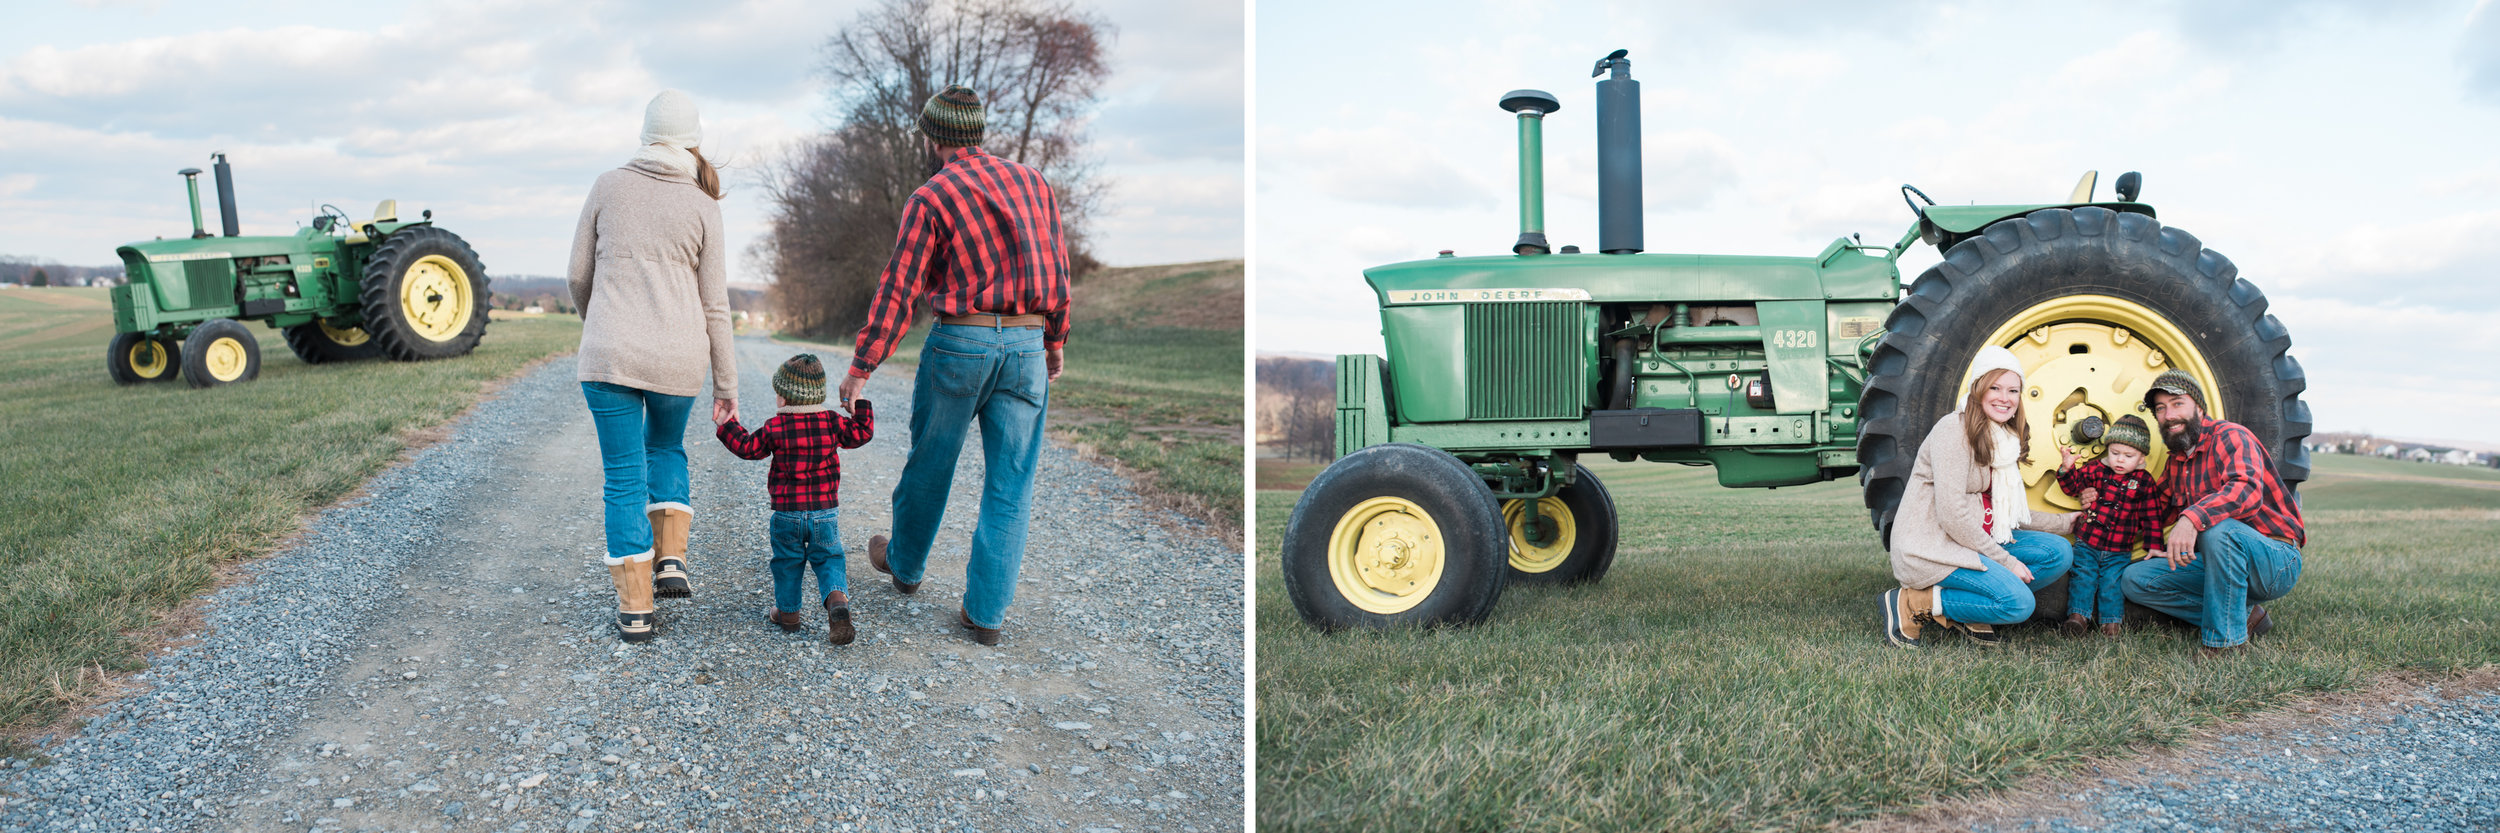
x: 804, y: 443
x: 2128, y: 509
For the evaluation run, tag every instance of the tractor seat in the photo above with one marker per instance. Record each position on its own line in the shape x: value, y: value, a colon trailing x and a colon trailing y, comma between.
x: 383, y: 212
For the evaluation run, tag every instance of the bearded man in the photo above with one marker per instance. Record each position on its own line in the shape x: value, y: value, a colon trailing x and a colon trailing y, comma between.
x: 2235, y: 534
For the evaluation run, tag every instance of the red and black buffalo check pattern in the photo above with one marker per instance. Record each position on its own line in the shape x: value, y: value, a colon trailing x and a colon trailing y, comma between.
x: 2229, y: 476
x: 2128, y: 509
x: 981, y: 236
x: 807, y: 466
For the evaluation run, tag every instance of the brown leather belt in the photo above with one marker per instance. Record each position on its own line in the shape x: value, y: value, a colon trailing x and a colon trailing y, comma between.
x: 996, y: 321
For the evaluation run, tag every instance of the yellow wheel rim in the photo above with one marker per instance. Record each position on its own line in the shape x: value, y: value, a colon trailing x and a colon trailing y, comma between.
x: 225, y: 359
x: 434, y: 298
x: 349, y: 337
x: 1530, y: 558
x: 2091, y: 355
x: 148, y: 360
x: 1385, y: 555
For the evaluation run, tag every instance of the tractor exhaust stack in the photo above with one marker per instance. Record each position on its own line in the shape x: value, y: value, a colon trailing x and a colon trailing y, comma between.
x: 225, y: 195
x: 1618, y: 156
x: 1531, y: 105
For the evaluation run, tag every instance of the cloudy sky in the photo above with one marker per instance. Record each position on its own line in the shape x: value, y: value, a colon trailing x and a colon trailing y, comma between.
x: 497, y: 115
x: 2341, y: 153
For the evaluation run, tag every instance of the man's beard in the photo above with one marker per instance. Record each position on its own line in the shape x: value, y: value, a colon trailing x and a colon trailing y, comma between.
x: 931, y: 162
x: 2184, y: 439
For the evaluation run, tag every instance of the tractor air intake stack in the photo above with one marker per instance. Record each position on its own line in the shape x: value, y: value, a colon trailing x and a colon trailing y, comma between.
x: 1531, y: 105
x: 1618, y: 157
x: 225, y: 195
x: 191, y: 182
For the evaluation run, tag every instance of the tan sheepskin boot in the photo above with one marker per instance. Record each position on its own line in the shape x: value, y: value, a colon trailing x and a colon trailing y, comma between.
x: 636, y: 619
x: 670, y: 523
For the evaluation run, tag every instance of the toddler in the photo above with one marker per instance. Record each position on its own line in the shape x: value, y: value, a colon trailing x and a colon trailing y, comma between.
x: 803, y: 439
x: 2124, y: 508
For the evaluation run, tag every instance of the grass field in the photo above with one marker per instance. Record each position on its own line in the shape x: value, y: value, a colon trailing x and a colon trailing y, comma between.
x: 1728, y: 674
x: 1153, y: 379
x: 123, y: 501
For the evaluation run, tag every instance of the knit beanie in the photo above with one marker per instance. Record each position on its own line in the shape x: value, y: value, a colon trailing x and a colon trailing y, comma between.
x: 2178, y: 383
x: 954, y: 117
x: 671, y: 120
x: 1990, y: 358
x: 801, y: 380
x: 2130, y: 431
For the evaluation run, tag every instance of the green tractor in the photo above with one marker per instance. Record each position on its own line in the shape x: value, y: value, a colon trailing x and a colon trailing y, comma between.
x: 337, y: 290
x: 1459, y: 453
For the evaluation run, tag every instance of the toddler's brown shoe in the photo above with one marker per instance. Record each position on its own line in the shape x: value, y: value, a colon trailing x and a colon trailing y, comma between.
x: 838, y: 628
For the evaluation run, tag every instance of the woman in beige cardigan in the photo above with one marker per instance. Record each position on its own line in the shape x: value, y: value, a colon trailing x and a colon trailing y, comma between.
x: 650, y: 275
x: 1967, y: 548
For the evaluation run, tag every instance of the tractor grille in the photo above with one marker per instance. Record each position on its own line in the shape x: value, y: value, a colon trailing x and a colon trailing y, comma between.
x: 1523, y: 360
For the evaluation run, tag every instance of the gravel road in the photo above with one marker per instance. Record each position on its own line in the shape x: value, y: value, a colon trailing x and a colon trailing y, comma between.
x: 437, y: 654
x: 2426, y: 760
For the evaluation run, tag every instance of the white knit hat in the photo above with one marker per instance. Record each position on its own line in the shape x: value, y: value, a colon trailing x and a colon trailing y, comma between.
x: 1990, y: 358
x: 671, y: 120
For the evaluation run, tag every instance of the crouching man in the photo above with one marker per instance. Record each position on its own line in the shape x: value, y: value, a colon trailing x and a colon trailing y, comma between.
x: 2236, y: 536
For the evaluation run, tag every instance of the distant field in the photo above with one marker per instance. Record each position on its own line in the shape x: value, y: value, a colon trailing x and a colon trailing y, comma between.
x: 1729, y: 674
x: 123, y: 500
x: 1153, y: 379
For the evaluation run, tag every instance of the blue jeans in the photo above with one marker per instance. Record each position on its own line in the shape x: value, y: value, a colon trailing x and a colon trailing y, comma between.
x: 1995, y: 596
x: 2234, y: 566
x: 642, y: 442
x: 999, y: 377
x: 2094, y: 591
x: 811, y: 538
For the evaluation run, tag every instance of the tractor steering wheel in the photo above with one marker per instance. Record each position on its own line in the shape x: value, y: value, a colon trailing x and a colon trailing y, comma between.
x: 1908, y: 189
x: 328, y: 210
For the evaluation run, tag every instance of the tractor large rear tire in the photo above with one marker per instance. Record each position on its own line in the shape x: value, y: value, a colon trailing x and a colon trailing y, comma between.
x: 1395, y: 535
x: 424, y: 295
x: 134, y: 358
x: 319, y: 343
x: 1580, y: 519
x: 2080, y: 259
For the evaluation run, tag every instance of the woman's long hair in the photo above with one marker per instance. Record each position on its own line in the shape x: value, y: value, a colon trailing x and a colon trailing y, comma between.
x: 704, y: 176
x: 1983, y: 442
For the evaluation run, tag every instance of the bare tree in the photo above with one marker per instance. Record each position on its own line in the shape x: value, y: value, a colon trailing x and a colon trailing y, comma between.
x: 1039, y: 66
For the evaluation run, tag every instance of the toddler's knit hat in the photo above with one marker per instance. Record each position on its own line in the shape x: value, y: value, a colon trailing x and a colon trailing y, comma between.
x: 2130, y: 431
x: 801, y: 380
x: 954, y: 117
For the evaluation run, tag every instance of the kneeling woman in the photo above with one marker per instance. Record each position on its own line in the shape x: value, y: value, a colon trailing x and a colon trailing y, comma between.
x: 1967, y: 548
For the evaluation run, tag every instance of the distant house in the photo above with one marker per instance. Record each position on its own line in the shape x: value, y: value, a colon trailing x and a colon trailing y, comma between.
x: 2458, y: 457
x: 2420, y: 454
x: 534, y: 309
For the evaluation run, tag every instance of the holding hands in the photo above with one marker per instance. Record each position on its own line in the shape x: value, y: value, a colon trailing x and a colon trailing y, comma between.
x: 724, y: 410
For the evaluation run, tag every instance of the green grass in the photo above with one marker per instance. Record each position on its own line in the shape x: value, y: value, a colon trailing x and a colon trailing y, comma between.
x: 1728, y: 673
x: 124, y: 500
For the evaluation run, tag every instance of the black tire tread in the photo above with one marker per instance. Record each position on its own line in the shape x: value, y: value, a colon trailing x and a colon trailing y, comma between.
x: 378, y: 294
x: 1476, y: 544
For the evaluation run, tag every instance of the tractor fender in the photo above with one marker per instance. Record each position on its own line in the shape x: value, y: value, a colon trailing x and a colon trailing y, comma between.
x: 1942, y: 226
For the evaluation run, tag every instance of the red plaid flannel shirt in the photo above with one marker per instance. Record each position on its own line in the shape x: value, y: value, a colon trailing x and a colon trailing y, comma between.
x: 2128, y: 509
x: 2229, y: 476
x: 807, y: 467
x: 981, y: 236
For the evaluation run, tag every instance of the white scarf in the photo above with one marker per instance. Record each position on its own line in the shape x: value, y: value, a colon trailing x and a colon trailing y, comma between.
x: 2005, y: 484
x: 674, y: 159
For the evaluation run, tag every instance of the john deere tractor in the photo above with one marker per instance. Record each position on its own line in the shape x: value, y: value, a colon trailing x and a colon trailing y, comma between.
x: 1460, y: 452
x: 339, y: 289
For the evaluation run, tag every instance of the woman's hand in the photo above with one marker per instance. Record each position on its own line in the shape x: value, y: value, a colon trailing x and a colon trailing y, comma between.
x: 724, y: 410
x: 2021, y: 571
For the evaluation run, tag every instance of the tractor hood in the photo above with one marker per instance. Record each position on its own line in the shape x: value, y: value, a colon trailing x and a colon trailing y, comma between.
x: 1640, y: 278
x: 1942, y: 226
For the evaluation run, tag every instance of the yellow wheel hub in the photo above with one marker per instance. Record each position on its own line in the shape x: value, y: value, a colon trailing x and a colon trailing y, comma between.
x: 348, y: 337
x: 1385, y: 555
x: 225, y: 359
x: 434, y: 298
x: 1563, y: 533
x: 2091, y: 355
x: 148, y: 360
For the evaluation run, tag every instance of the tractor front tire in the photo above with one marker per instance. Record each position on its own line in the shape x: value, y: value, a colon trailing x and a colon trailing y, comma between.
x: 1580, y: 532
x: 318, y: 343
x: 1395, y: 535
x: 424, y: 295
x: 138, y: 357
x: 220, y: 352
x: 2123, y: 273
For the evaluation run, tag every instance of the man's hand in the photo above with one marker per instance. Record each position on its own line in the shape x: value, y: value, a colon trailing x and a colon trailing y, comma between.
x: 724, y: 410
x: 2180, y: 544
x: 851, y: 386
x: 1056, y: 360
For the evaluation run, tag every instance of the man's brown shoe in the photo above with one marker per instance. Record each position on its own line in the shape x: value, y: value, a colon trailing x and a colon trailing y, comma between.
x: 985, y: 636
x: 876, y: 558
x: 838, y: 628
x: 789, y: 622
x: 2258, y: 621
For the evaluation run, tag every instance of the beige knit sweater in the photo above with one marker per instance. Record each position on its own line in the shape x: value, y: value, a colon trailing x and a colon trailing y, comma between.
x: 1937, y: 529
x: 650, y: 273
